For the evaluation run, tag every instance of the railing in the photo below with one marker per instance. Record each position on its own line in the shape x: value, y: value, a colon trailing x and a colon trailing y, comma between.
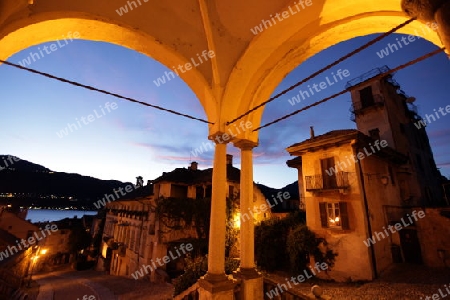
x: 268, y: 285
x: 366, y: 76
x: 338, y: 180
x: 189, y: 294
x: 358, y: 107
x: 193, y: 294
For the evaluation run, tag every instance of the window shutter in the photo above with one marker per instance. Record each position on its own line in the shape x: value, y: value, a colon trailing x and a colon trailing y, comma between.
x: 323, y: 214
x: 345, y: 223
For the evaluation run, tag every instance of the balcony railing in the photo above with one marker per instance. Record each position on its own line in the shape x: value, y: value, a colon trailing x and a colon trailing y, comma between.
x: 359, y: 107
x: 319, y: 182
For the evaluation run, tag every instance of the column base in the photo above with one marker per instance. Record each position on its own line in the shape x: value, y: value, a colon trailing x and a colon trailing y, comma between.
x: 252, y: 286
x: 216, y: 287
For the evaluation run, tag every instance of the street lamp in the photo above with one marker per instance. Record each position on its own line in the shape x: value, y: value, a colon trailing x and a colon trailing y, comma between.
x: 34, y: 262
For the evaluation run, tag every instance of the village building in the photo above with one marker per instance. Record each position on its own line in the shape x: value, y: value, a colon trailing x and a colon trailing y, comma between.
x: 135, y: 237
x: 368, y: 191
x: 14, y: 222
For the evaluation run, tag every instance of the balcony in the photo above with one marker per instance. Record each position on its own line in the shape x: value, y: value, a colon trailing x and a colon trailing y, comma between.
x: 360, y: 107
x: 325, y: 182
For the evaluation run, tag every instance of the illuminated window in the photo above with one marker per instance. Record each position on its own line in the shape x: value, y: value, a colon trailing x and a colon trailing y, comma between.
x: 334, y: 215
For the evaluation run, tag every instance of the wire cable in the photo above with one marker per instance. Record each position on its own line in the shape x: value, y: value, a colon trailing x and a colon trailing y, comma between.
x: 366, y: 45
x: 102, y: 91
x: 423, y: 57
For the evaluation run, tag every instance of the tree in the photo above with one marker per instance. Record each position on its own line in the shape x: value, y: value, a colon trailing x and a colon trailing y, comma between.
x: 287, y: 245
x: 79, y: 239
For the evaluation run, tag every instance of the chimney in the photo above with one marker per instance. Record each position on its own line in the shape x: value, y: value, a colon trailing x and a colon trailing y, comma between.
x: 194, y: 166
x: 311, y: 131
x: 229, y: 160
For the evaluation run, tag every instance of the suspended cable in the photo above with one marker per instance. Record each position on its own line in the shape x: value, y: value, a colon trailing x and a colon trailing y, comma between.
x: 423, y: 57
x: 102, y: 91
x: 370, y: 43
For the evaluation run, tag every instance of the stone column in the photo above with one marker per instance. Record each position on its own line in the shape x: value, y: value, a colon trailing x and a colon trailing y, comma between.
x: 442, y: 17
x: 431, y: 11
x: 251, y: 280
x: 215, y: 285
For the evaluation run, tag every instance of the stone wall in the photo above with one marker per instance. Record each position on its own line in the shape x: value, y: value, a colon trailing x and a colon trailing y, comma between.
x: 434, y: 235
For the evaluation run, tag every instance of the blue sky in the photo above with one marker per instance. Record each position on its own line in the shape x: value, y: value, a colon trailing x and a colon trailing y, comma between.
x: 134, y: 140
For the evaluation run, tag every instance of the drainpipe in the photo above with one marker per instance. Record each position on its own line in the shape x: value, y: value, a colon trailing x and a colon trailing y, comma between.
x: 355, y: 147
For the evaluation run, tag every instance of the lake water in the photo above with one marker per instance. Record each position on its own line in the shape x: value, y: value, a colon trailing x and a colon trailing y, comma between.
x: 42, y: 215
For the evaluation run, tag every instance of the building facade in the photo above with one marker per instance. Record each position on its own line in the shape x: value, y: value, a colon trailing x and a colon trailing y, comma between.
x: 134, y: 236
x: 358, y: 184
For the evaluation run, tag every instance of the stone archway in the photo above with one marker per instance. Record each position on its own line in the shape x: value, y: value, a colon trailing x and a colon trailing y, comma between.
x: 43, y: 30
x: 246, y: 68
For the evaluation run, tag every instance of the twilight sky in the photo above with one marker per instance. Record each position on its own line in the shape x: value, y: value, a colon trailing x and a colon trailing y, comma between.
x: 122, y: 140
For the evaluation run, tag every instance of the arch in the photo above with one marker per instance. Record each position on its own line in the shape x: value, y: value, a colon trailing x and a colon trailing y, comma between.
x: 297, y: 46
x: 48, y: 27
x: 249, y: 66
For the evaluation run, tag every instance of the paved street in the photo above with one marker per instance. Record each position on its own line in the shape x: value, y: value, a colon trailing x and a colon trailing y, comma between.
x: 400, y: 282
x: 73, y: 285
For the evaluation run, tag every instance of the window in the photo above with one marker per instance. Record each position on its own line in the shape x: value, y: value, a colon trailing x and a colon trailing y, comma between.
x: 391, y: 175
x: 329, y: 181
x: 366, y: 97
x: 230, y: 191
x: 143, y: 242
x: 208, y: 191
x: 375, y: 134
x: 132, y: 236
x: 334, y: 215
x: 178, y: 191
x: 199, y: 192
x: 151, y: 229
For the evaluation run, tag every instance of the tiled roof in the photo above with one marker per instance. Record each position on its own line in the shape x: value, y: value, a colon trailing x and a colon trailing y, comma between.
x: 142, y: 192
x: 326, y: 136
x: 336, y: 136
x: 189, y: 176
x: 7, y: 238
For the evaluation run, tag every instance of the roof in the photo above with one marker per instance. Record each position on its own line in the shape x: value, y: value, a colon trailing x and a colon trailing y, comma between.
x: 351, y: 133
x: 7, y: 238
x: 189, y: 176
x: 141, y: 192
x: 335, y: 138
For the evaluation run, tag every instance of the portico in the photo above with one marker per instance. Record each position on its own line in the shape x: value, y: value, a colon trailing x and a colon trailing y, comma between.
x: 229, y: 67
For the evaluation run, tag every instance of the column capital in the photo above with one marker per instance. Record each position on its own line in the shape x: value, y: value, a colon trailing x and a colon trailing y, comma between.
x: 220, y: 137
x: 245, y: 144
x: 423, y: 10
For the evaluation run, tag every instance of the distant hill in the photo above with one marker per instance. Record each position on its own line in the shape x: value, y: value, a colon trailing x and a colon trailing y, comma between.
x: 25, y: 183
x: 292, y: 189
x: 28, y: 184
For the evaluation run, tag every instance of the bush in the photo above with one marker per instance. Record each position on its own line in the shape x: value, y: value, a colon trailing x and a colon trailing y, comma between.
x: 271, y: 239
x: 287, y: 244
x: 302, y: 243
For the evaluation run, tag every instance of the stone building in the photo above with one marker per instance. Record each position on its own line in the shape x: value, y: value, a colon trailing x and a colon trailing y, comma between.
x: 134, y: 236
x: 357, y: 183
x: 15, y: 223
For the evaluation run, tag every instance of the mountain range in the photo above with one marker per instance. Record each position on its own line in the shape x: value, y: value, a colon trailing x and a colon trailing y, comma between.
x: 23, y: 183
